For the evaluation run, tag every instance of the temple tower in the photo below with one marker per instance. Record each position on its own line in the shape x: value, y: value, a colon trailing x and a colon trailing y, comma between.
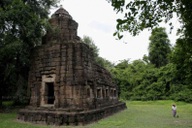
x: 67, y: 86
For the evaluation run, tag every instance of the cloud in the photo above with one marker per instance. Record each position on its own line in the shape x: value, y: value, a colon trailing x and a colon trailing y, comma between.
x: 104, y: 27
x: 97, y: 19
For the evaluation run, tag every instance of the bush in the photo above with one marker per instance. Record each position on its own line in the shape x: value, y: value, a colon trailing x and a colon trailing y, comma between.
x: 181, y: 93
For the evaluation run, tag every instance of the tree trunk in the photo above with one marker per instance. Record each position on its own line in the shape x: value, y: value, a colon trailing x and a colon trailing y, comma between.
x: 1, y: 105
x: 1, y: 102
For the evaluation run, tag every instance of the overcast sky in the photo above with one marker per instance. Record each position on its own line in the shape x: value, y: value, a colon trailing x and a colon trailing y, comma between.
x: 97, y: 20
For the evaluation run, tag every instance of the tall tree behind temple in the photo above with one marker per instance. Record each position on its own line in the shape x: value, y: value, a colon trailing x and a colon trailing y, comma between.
x: 159, y: 47
x: 99, y: 60
x: 87, y: 40
x: 182, y: 58
x: 22, y: 24
x: 139, y: 15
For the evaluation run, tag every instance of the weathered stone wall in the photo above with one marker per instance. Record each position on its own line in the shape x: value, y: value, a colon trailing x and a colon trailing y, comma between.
x: 78, y: 81
x: 67, y: 86
x: 63, y: 28
x: 60, y: 117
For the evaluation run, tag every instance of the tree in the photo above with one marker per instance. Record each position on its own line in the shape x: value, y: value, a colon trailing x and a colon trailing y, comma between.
x: 87, y: 40
x: 123, y: 64
x: 121, y: 78
x: 139, y: 80
x: 22, y: 24
x: 104, y: 63
x: 159, y: 47
x: 136, y: 80
x: 147, y: 14
x: 99, y: 60
x: 141, y: 14
x: 182, y: 57
x: 145, y: 59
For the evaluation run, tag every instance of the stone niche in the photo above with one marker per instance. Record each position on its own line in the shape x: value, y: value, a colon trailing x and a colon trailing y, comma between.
x: 66, y: 86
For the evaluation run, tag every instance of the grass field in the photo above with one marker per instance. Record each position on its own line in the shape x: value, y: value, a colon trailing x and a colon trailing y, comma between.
x: 150, y: 114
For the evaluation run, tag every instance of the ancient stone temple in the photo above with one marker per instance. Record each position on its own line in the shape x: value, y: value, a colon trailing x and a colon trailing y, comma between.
x: 66, y: 86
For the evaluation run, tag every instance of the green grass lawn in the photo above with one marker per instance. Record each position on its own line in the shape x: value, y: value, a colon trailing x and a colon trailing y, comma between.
x: 149, y: 114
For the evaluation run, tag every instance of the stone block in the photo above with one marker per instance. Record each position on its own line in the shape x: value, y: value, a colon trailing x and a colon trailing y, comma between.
x: 64, y: 68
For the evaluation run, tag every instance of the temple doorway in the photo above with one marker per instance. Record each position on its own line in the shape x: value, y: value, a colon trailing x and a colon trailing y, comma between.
x: 50, y: 93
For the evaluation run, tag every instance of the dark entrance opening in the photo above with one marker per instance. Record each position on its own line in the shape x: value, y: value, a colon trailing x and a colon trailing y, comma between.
x: 50, y: 93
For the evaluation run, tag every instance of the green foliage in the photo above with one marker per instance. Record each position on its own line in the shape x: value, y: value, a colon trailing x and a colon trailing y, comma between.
x: 139, y: 14
x: 23, y: 20
x: 120, y: 77
x: 128, y: 77
x: 142, y: 78
x: 159, y: 47
x: 99, y: 60
x: 141, y: 81
x: 158, y: 75
x: 181, y: 92
x: 181, y: 56
x: 148, y: 114
x: 123, y: 64
x: 87, y: 40
x: 104, y: 63
x: 22, y: 24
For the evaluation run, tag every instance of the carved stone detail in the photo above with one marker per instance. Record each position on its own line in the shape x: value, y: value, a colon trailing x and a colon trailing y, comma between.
x: 67, y: 86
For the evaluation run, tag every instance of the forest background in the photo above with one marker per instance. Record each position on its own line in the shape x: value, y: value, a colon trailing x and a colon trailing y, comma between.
x: 165, y: 73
